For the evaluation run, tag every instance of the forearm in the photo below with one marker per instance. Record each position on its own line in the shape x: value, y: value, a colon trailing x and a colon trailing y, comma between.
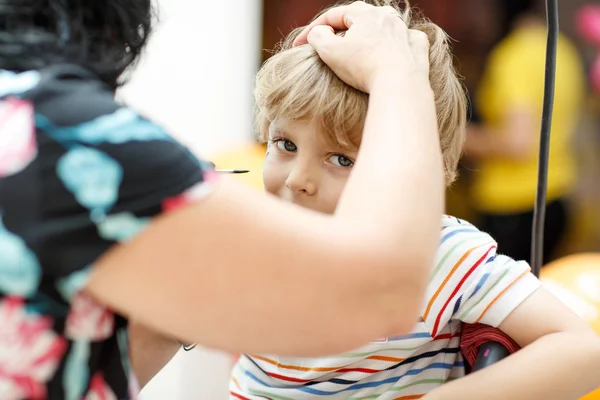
x: 559, y: 366
x: 340, y: 290
x: 398, y: 181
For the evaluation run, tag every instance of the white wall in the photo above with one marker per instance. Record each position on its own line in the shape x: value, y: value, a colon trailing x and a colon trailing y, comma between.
x: 196, y: 80
x: 197, y: 75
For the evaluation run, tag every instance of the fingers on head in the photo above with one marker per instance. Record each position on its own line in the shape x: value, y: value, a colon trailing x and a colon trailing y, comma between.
x: 419, y: 43
x: 339, y: 18
x: 320, y: 34
x: 334, y: 18
x: 392, y: 15
x: 322, y: 38
x: 418, y: 39
x: 389, y: 10
x: 351, y: 12
x: 344, y: 16
x: 359, y: 5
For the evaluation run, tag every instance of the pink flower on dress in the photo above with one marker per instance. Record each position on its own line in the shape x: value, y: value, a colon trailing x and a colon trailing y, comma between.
x: 211, y: 176
x: 99, y: 390
x: 193, y: 194
x: 18, y: 145
x: 88, y: 320
x: 134, y: 386
x: 29, y: 351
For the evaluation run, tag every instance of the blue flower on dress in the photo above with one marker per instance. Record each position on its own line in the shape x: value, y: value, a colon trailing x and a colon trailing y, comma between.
x: 13, y: 83
x: 121, y: 227
x: 70, y: 285
x: 76, y: 376
x: 20, y: 271
x: 123, y: 342
x: 93, y: 177
x: 122, y: 126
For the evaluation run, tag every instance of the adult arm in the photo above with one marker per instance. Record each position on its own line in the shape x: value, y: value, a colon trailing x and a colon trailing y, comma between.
x: 238, y: 260
x: 244, y: 272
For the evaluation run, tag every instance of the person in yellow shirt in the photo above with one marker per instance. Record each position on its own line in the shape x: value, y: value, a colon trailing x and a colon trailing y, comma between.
x: 505, y: 146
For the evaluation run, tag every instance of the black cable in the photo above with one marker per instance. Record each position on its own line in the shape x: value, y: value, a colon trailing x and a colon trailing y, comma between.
x: 539, y: 211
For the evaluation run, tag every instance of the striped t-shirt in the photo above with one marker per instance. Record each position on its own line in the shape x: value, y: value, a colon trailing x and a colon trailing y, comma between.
x: 470, y: 283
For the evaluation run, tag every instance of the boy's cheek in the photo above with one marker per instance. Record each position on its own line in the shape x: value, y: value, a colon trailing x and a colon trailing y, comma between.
x: 273, y: 179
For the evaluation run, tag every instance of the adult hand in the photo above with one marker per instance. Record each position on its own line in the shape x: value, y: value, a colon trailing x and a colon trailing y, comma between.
x: 377, y: 44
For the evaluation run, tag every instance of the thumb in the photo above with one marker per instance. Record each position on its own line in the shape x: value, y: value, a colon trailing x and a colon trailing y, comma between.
x: 323, y: 38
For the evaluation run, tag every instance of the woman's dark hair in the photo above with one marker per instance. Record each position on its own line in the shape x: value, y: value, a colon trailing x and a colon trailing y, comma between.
x: 106, y: 36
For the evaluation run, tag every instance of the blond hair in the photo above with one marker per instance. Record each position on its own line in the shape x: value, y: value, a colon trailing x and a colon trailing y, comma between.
x: 296, y: 84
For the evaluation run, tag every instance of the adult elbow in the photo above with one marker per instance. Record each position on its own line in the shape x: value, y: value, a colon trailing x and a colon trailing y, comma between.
x: 396, y: 278
x: 408, y: 287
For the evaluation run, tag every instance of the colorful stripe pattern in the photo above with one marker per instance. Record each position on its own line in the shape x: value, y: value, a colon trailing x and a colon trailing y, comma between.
x: 470, y: 283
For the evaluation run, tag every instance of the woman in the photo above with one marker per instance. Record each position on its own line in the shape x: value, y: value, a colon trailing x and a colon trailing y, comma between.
x: 102, y: 210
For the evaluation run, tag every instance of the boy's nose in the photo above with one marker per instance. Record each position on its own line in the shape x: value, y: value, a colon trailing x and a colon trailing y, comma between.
x: 300, y: 181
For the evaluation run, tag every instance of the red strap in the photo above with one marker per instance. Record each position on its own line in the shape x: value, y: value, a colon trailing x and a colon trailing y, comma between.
x: 474, y: 335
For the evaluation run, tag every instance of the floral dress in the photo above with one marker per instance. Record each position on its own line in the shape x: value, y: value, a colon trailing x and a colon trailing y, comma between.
x: 78, y: 174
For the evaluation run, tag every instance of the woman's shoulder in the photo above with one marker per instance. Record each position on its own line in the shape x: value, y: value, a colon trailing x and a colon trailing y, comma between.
x: 68, y: 94
x: 71, y: 144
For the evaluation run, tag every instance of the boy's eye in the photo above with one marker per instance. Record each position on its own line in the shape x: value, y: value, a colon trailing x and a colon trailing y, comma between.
x: 341, y: 160
x: 286, y: 145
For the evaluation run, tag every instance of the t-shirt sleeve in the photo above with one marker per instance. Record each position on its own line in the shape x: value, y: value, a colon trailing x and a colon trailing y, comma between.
x: 473, y: 283
x: 108, y: 184
x: 94, y: 180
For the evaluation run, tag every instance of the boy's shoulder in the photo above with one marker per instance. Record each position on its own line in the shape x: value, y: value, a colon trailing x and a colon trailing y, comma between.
x: 451, y: 223
x: 459, y: 231
x: 449, y: 220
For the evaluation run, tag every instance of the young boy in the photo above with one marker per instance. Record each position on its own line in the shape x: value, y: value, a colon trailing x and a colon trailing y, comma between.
x: 312, y: 123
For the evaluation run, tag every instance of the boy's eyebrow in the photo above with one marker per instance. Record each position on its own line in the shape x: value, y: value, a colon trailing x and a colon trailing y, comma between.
x: 350, y: 148
x: 340, y: 147
x: 275, y: 130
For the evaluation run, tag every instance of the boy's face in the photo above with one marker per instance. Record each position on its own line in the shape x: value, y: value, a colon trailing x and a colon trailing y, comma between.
x: 300, y: 167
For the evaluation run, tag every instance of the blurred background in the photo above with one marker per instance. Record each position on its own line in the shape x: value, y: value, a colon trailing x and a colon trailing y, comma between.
x: 197, y: 78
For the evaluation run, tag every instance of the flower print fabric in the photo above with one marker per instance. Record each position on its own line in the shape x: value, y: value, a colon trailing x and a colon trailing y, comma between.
x: 17, y: 143
x: 78, y: 174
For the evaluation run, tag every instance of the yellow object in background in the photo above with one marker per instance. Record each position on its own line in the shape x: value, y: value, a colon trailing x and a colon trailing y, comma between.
x: 514, y: 77
x: 250, y: 157
x: 575, y: 279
